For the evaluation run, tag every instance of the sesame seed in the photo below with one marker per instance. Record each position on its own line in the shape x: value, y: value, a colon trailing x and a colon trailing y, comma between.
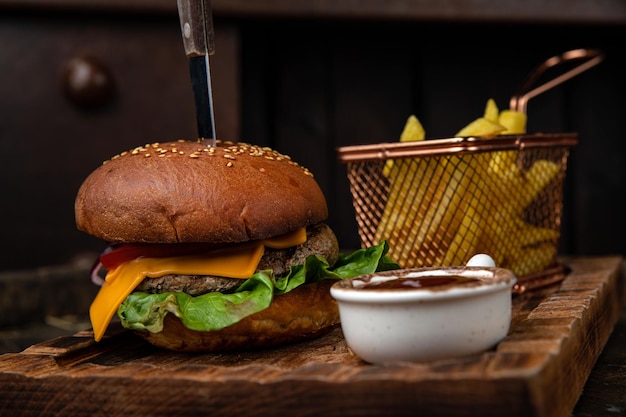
x: 229, y: 164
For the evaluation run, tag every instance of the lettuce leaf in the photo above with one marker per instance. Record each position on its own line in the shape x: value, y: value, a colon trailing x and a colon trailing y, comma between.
x: 214, y: 311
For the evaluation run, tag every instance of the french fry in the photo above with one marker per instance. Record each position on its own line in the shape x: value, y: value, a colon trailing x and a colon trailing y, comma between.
x: 413, y: 131
x: 525, y: 185
x: 491, y: 111
x: 407, y: 211
x: 399, y: 212
x: 513, y: 121
x: 481, y: 127
x: 468, y: 234
x: 534, y: 259
x: 532, y: 235
x: 446, y: 216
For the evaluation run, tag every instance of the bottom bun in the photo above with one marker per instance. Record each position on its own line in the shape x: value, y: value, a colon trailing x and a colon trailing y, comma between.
x: 306, y: 312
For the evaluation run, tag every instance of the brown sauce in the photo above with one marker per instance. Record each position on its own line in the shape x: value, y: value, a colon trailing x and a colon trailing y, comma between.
x: 421, y: 282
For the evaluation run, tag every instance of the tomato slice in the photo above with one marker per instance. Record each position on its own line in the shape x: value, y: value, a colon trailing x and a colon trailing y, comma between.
x: 116, y: 255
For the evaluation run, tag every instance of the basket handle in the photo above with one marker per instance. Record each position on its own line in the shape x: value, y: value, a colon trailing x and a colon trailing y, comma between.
x: 521, y: 97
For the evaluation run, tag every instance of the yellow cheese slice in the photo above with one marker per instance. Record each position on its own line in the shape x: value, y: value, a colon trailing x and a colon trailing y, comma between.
x: 287, y: 240
x: 238, y: 261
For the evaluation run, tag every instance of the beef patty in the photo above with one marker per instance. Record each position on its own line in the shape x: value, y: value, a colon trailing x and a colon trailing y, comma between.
x: 321, y: 240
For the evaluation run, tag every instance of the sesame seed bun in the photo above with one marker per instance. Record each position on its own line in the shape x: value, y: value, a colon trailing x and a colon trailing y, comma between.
x: 185, y: 191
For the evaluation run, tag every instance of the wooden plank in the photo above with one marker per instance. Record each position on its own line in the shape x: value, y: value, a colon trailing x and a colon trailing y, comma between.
x: 556, y: 336
x: 605, y: 387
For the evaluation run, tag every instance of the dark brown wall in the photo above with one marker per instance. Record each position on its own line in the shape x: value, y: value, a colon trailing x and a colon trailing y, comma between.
x: 51, y: 143
x: 307, y: 86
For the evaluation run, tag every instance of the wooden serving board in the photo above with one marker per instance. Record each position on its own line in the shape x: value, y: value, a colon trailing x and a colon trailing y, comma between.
x: 539, y: 369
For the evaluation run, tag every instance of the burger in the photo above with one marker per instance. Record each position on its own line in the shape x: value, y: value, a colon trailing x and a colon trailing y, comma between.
x: 214, y: 248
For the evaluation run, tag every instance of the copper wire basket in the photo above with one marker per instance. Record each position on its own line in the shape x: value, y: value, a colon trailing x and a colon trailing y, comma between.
x: 439, y: 202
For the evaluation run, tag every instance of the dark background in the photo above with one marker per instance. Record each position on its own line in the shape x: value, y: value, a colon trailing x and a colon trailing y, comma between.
x: 304, y: 78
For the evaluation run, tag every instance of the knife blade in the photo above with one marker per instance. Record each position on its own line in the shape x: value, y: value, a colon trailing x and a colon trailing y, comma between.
x: 196, y: 23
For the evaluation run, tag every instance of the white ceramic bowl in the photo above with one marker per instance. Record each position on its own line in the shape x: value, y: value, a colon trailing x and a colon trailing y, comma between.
x: 427, y: 323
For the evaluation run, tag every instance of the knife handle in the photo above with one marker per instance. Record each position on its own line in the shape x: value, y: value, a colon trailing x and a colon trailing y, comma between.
x: 196, y: 24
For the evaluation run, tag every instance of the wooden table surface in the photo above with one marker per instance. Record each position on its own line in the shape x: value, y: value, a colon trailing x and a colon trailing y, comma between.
x: 557, y: 349
x: 604, y: 393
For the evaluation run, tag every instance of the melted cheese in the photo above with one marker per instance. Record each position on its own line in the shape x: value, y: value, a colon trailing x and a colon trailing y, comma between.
x: 238, y: 261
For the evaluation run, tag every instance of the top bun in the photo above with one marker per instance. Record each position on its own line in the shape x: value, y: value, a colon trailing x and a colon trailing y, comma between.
x: 186, y: 191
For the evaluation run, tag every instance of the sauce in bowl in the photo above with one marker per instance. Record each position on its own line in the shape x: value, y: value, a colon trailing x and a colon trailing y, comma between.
x: 421, y: 282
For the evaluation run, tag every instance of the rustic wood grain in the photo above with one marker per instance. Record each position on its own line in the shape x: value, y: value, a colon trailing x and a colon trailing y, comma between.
x: 604, y: 390
x: 539, y: 369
